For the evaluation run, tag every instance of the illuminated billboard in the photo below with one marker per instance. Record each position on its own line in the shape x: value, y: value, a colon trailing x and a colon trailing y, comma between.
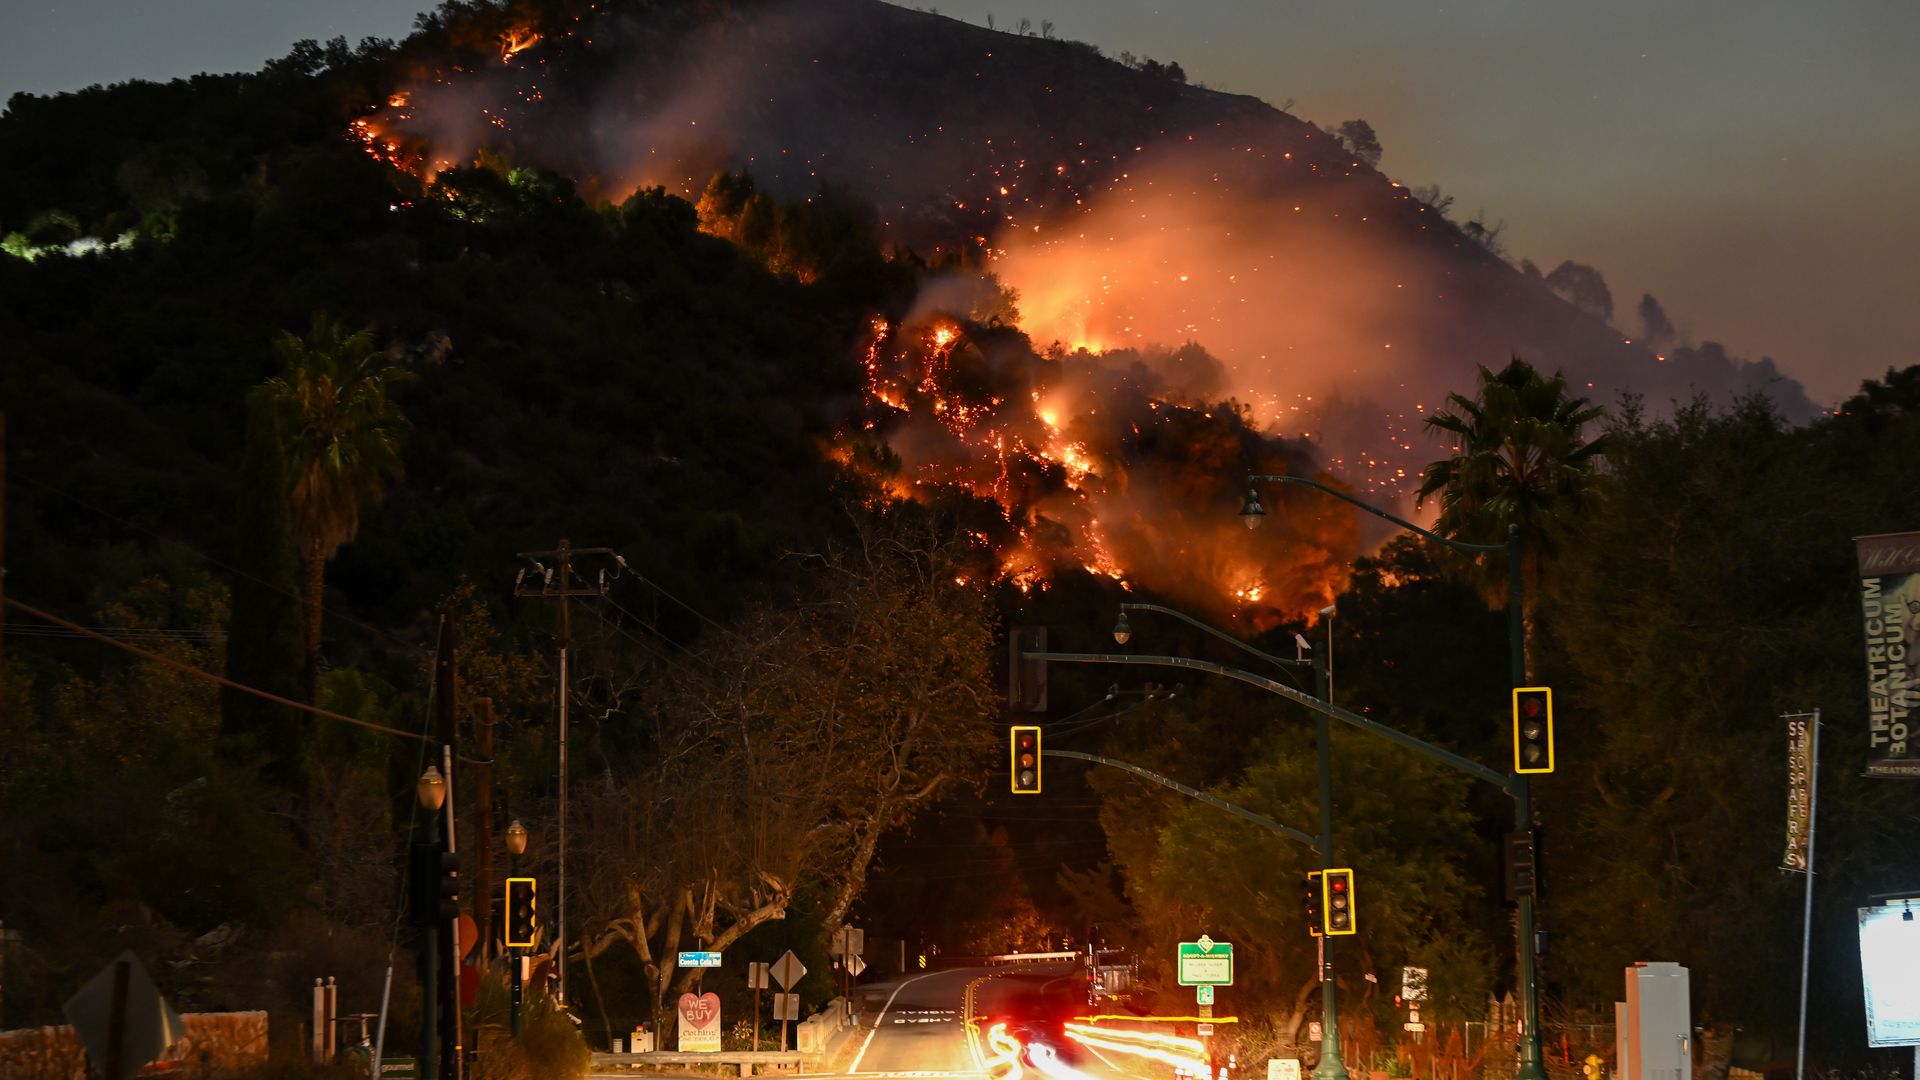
x: 1890, y: 971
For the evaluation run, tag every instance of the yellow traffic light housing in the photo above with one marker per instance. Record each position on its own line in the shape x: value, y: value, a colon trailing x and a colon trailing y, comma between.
x: 1337, y: 903
x: 1533, y: 729
x: 1023, y: 748
x: 523, y: 922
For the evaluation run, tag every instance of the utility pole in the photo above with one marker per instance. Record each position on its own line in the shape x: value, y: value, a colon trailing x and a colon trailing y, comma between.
x: 562, y: 591
x: 3, y: 563
x: 483, y: 851
x: 453, y: 1062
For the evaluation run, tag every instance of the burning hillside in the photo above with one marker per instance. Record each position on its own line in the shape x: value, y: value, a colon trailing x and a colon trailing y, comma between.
x: 1136, y: 219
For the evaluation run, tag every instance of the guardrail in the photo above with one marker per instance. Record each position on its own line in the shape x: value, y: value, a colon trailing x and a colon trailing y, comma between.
x: 747, y: 1060
x: 1030, y: 957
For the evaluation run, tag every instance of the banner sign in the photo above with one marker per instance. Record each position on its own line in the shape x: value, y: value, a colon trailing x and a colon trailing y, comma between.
x: 1799, y: 790
x: 1890, y: 616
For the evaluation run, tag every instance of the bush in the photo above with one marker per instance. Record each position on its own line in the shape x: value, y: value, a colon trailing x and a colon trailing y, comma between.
x: 549, y: 1048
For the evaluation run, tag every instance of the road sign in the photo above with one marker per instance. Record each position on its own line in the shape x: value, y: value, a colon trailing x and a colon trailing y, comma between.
x: 1205, y: 1030
x: 849, y: 939
x: 148, y: 1024
x: 1413, y: 984
x: 1207, y: 962
x: 1203, y: 994
x: 788, y: 970
x: 757, y: 976
x: 1283, y: 1069
x: 786, y: 1006
x: 699, y: 959
x: 855, y: 965
x: 1313, y: 1030
x: 1414, y: 1025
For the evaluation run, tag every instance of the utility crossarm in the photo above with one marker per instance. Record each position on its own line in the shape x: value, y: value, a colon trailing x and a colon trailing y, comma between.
x: 1466, y: 765
x: 1194, y: 793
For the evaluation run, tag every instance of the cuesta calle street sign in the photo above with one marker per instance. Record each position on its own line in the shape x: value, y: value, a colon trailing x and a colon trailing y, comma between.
x: 1206, y: 962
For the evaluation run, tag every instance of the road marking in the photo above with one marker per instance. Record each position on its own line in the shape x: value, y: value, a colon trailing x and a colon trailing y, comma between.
x: 855, y: 1067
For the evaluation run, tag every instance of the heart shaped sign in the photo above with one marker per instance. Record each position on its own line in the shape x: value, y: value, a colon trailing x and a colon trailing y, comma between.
x: 700, y: 1010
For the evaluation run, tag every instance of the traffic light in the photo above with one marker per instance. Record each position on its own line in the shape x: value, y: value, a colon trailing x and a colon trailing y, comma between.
x: 1533, y: 729
x: 523, y: 927
x: 1310, y: 901
x: 434, y: 884
x: 1023, y: 745
x: 1336, y: 900
x: 1523, y: 873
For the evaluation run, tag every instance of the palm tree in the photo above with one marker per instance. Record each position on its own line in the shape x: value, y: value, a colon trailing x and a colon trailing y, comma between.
x: 342, y: 437
x: 1519, y: 459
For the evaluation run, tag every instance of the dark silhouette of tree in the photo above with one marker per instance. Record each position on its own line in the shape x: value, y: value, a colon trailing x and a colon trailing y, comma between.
x: 1656, y: 330
x: 1583, y: 287
x: 343, y: 436
x: 1359, y: 137
x: 1520, y: 457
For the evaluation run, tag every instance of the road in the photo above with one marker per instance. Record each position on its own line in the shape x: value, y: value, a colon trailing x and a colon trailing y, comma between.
x: 919, y: 1029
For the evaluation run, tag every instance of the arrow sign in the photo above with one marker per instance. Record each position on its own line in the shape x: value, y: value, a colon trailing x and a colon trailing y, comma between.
x: 788, y: 970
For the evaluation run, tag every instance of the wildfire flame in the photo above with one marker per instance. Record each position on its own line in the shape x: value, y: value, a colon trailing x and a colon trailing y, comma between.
x: 517, y: 41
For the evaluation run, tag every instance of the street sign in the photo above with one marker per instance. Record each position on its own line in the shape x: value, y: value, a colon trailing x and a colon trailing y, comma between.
x: 1206, y: 962
x: 1203, y: 994
x: 757, y: 976
x: 788, y: 970
x: 1206, y: 1030
x: 1414, y: 1025
x: 1283, y: 1069
x: 1413, y: 984
x: 1313, y: 1030
x: 148, y: 1024
x: 786, y: 1006
x: 855, y: 965
x: 699, y: 959
x: 849, y: 939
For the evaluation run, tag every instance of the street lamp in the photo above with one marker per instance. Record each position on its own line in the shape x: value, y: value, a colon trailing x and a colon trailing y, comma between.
x: 516, y: 847
x: 431, y: 789
x: 1517, y: 785
x: 1122, y: 633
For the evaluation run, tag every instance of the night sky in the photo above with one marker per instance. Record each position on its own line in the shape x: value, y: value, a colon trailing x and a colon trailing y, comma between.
x: 1751, y: 163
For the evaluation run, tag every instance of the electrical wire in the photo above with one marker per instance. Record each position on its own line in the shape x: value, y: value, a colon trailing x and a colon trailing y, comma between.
x: 209, y: 676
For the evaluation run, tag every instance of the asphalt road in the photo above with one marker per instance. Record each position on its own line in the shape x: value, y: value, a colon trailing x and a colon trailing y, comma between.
x: 919, y: 1028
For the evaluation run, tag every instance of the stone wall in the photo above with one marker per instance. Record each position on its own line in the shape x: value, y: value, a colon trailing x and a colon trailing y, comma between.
x: 215, y: 1045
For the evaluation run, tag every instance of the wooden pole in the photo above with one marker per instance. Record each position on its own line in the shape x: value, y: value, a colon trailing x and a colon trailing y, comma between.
x: 3, y: 563
x: 117, y: 1021
x: 483, y: 844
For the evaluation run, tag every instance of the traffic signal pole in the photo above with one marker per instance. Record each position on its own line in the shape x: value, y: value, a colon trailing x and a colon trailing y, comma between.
x: 1330, y: 1067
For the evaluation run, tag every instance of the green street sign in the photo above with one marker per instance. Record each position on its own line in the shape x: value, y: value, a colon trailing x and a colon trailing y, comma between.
x: 1206, y: 962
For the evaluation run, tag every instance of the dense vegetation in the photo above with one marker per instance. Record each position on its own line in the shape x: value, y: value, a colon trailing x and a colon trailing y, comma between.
x: 620, y: 376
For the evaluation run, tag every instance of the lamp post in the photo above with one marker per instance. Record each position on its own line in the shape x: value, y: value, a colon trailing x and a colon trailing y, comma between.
x: 432, y: 791
x: 1331, y: 1066
x: 516, y: 847
x: 1517, y: 785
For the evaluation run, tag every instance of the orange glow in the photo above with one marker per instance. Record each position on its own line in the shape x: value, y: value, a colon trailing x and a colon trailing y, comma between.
x: 516, y: 41
x: 1175, y: 1050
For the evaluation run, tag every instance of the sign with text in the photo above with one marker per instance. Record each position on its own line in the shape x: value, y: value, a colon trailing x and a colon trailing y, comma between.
x: 699, y: 959
x: 1890, y: 617
x: 700, y: 1023
x: 1283, y: 1069
x: 1206, y: 962
x: 1890, y: 974
x: 1800, y: 766
x: 1413, y: 984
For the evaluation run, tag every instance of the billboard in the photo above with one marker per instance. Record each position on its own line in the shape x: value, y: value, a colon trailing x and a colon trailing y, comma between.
x: 1890, y: 974
x: 1890, y: 617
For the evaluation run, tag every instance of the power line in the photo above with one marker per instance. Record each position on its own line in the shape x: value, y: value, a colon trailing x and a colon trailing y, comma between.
x: 337, y: 616
x: 209, y: 676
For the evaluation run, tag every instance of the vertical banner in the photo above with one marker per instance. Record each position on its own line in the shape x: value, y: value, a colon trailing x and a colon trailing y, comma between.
x: 1799, y: 790
x: 1889, y: 616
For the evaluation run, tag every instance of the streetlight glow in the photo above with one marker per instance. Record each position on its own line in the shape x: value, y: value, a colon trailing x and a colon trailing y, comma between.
x: 1122, y: 633
x: 517, y: 838
x: 432, y: 789
x: 1251, y: 512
